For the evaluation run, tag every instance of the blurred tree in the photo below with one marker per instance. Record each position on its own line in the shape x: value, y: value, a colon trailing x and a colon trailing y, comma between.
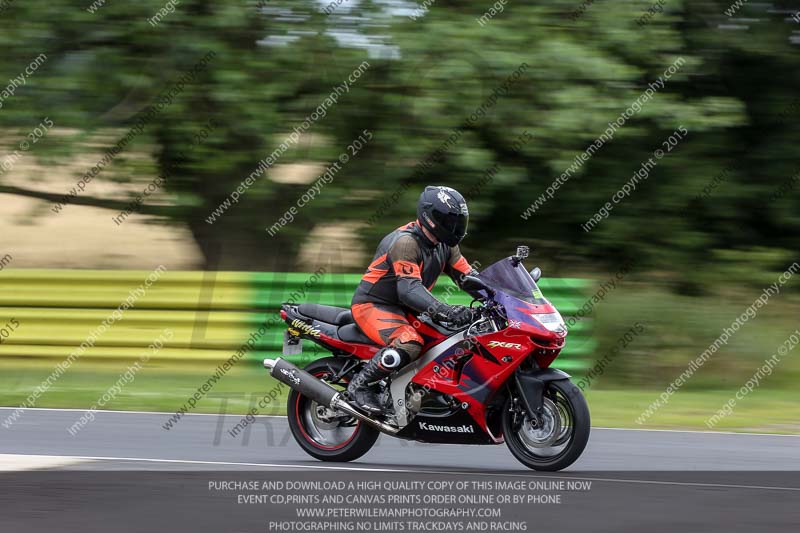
x: 438, y: 98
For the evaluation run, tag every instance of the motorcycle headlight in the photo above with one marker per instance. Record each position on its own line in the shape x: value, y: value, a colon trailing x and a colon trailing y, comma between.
x: 552, y: 321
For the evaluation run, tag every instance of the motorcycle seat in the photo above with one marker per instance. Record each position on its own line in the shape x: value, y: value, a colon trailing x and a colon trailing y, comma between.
x: 352, y: 333
x: 338, y: 316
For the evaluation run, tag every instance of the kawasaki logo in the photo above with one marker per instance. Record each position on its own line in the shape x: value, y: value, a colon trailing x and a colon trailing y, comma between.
x: 495, y: 344
x: 446, y: 429
x: 305, y: 328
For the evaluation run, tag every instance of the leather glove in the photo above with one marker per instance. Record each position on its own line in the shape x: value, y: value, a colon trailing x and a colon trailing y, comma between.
x: 458, y: 316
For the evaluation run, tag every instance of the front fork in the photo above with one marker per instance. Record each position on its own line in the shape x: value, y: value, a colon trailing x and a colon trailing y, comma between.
x: 518, y: 413
x: 517, y: 417
x: 530, y: 391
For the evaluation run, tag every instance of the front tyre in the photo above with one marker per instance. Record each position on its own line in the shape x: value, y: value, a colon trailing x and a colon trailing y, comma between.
x: 554, y: 440
x: 325, y: 434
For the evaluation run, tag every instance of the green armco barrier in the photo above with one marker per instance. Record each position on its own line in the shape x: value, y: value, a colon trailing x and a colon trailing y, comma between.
x: 211, y: 314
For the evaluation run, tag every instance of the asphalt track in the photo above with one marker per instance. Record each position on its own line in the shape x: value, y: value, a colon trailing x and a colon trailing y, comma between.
x: 204, y: 442
x: 124, y: 472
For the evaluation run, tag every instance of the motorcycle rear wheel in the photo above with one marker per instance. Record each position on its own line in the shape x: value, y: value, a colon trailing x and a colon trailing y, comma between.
x: 556, y: 440
x: 322, y: 434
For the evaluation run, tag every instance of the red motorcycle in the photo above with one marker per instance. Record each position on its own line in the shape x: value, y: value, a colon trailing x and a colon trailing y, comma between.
x: 486, y: 383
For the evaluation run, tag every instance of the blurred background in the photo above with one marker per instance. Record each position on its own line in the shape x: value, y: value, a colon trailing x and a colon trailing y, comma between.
x: 126, y: 127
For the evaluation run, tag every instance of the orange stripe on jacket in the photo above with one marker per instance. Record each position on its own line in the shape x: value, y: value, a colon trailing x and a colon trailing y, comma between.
x: 373, y: 273
x: 462, y: 266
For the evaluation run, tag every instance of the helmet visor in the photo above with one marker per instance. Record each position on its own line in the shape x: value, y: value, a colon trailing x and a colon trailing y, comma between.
x: 453, y: 223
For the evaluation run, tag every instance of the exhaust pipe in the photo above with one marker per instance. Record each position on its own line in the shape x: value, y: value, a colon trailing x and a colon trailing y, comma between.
x: 301, y: 381
x: 319, y: 391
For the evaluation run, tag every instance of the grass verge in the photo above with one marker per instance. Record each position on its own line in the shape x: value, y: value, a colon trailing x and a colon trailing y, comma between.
x: 159, y: 388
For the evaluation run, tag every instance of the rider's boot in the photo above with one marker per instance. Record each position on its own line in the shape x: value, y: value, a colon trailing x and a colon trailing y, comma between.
x: 363, y: 388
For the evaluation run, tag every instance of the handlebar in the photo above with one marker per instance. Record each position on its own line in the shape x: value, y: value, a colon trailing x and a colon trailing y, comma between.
x: 477, y: 314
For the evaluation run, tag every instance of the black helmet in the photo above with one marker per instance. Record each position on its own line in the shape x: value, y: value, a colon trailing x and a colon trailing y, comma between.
x: 443, y: 212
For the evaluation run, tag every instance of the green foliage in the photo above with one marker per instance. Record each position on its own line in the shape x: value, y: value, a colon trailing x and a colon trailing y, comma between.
x: 276, y: 61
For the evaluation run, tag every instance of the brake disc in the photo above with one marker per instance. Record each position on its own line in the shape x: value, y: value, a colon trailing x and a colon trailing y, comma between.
x: 544, y: 432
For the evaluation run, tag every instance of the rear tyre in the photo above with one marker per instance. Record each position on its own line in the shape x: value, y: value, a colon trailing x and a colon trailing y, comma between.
x: 324, y: 434
x: 558, y: 437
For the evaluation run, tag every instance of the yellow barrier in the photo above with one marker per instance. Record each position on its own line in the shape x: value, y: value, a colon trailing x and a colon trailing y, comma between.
x: 113, y: 315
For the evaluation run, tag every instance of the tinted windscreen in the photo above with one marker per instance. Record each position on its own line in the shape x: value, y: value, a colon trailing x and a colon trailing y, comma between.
x: 514, y: 280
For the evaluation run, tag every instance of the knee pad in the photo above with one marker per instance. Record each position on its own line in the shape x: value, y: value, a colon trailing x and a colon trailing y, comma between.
x: 393, y: 358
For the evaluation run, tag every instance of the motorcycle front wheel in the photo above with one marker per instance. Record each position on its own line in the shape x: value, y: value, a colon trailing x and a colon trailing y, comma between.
x: 555, y: 439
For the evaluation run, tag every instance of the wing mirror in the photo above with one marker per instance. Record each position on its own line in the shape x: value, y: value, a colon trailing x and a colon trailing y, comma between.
x: 471, y: 284
x: 536, y: 273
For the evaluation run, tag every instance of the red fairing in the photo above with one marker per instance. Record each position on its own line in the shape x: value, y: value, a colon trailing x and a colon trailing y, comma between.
x: 431, y: 335
x: 487, y: 362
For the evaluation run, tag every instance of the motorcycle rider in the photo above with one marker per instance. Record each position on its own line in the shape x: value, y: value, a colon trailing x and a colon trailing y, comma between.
x: 406, y: 265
